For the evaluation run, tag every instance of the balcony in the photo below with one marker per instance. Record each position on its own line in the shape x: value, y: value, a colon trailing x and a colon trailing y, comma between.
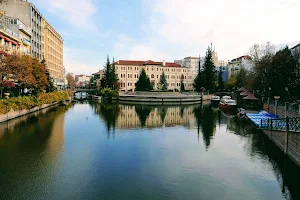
x: 25, y: 29
x: 9, y: 50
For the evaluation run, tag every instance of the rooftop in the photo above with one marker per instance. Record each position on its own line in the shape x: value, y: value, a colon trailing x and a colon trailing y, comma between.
x: 148, y: 62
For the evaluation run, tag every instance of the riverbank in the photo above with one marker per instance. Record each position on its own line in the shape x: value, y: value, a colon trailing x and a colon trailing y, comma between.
x: 16, y: 107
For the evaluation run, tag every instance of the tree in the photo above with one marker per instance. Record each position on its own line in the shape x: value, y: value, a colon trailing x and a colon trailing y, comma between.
x: 241, y: 77
x: 198, y: 81
x: 50, y: 87
x: 231, y: 83
x: 106, y: 80
x: 39, y: 74
x: 182, y: 87
x: 283, y: 73
x: 110, y: 78
x: 114, y: 76
x: 220, y: 80
x: 143, y: 84
x: 163, y: 84
x: 209, y: 72
x: 71, y: 81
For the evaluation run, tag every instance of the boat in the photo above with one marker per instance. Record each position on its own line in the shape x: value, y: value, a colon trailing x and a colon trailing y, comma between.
x: 215, y: 100
x: 227, y: 103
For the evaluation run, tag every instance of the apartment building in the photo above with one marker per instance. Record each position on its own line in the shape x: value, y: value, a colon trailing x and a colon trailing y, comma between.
x: 129, y: 70
x: 52, y: 48
x: 14, y: 36
x: 235, y: 65
x: 30, y: 16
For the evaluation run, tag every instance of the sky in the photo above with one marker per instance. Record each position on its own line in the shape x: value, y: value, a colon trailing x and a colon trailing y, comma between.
x: 166, y: 29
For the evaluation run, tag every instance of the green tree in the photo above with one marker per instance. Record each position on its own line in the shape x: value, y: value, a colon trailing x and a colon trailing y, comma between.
x: 163, y: 84
x: 231, y: 83
x: 110, y: 78
x: 143, y: 84
x: 241, y: 77
x: 198, y: 81
x: 209, y: 72
x: 106, y: 80
x: 114, y: 76
x: 283, y: 73
x: 220, y: 80
x: 182, y: 87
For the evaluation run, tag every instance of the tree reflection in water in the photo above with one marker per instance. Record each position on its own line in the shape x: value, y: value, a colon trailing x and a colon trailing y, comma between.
x: 163, y: 112
x: 259, y: 145
x: 109, y: 112
x: 206, y: 121
x: 143, y: 113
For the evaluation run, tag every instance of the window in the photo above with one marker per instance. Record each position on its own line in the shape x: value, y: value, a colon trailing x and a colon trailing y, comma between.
x: 152, y: 75
x: 156, y: 76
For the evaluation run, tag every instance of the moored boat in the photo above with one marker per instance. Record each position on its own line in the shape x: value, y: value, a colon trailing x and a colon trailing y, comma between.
x: 228, y: 103
x: 215, y: 100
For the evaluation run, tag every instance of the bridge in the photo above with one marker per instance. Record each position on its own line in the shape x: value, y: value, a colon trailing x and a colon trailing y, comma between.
x: 87, y: 90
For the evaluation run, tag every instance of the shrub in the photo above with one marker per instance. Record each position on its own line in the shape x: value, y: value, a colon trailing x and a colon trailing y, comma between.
x: 109, y: 93
x: 28, y: 102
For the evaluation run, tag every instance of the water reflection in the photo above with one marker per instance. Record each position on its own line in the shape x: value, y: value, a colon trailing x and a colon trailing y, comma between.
x: 47, y: 155
x: 258, y: 145
x: 128, y: 116
x: 27, y: 145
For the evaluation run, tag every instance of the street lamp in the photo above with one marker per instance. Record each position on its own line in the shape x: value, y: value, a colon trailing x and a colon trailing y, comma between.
x: 276, y: 103
x: 286, y: 101
x: 269, y: 96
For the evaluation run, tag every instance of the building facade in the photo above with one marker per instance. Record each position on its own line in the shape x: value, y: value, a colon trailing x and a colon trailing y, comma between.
x: 14, y: 37
x: 128, y: 72
x: 235, y: 65
x: 52, y: 48
x: 29, y: 14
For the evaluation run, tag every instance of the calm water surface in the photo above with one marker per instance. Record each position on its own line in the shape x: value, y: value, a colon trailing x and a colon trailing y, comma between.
x: 97, y: 151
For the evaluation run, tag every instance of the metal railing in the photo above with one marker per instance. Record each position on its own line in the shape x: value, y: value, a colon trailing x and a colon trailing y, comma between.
x: 283, y: 124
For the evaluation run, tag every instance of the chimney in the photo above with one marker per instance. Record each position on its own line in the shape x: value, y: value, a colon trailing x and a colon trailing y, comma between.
x: 164, y: 63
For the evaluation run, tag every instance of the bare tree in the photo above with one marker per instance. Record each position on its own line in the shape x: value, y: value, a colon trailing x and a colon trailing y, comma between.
x: 71, y: 81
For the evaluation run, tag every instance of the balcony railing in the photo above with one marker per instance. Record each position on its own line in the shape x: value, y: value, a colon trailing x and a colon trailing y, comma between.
x: 24, y: 28
x: 9, y: 50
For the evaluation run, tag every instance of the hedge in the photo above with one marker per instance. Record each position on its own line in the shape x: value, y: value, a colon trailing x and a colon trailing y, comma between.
x: 28, y: 102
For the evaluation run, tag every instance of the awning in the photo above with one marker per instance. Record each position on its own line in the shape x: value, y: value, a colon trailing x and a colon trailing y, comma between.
x: 242, y: 89
x: 251, y: 97
x: 246, y: 93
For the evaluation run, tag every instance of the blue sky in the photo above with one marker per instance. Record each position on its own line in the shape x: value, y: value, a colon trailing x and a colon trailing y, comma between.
x: 166, y: 29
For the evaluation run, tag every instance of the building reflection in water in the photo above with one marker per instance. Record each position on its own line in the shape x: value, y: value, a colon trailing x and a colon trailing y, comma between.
x: 130, y: 117
x: 42, y: 131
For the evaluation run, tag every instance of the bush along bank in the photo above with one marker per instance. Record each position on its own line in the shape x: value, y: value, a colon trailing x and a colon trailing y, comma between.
x: 29, y: 102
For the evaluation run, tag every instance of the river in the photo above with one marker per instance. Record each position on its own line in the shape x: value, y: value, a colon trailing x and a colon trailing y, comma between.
x: 109, y: 151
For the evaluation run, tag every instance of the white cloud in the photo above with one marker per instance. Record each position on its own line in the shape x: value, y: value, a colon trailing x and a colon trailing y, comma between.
x: 232, y: 26
x: 77, y: 12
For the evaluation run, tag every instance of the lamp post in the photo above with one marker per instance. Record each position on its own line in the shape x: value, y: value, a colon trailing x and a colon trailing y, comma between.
x: 286, y: 101
x: 269, y: 96
x: 276, y: 103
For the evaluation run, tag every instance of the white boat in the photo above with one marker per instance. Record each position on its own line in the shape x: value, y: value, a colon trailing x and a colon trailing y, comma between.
x: 227, y: 103
x: 215, y: 100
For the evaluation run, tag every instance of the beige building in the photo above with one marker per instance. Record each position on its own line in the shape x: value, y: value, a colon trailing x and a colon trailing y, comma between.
x: 129, y: 70
x: 15, y: 37
x: 236, y: 64
x: 52, y: 48
x: 30, y: 15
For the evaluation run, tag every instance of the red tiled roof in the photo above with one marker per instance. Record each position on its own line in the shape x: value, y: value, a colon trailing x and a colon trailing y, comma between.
x: 148, y: 62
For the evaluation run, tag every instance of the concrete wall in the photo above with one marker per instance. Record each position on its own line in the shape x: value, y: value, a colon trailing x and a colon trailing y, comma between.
x: 18, y: 113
